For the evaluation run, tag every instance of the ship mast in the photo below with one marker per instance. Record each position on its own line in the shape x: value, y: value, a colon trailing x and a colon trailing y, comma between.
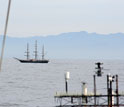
x: 27, y: 52
x: 43, y: 52
x: 35, y: 52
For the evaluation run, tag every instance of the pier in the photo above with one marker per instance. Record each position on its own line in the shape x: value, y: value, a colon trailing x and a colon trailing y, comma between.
x: 112, y: 97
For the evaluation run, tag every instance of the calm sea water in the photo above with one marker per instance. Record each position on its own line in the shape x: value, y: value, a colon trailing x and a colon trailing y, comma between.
x: 34, y: 85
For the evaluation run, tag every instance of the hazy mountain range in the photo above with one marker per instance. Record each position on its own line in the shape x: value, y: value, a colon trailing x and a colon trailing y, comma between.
x: 76, y: 45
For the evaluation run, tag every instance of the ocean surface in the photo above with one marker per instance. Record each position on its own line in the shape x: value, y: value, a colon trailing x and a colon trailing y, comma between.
x: 34, y: 85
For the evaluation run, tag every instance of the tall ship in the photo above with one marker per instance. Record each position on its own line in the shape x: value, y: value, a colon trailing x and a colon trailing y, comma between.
x: 35, y: 60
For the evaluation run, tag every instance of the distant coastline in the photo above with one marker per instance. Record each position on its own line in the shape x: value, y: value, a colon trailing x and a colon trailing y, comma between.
x: 72, y: 45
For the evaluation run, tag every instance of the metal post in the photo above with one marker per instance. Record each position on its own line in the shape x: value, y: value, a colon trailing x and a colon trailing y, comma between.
x: 117, y: 91
x: 66, y: 86
x: 94, y: 90
x: 108, y: 88
x: 110, y: 93
x: 72, y: 100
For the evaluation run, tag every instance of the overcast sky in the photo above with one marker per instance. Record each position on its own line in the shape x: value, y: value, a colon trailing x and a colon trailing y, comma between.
x: 49, y: 17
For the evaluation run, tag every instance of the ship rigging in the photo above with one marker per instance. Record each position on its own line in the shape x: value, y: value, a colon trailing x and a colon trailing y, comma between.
x: 35, y: 60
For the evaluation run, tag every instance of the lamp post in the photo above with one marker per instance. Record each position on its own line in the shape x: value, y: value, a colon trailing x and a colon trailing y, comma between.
x: 67, y: 77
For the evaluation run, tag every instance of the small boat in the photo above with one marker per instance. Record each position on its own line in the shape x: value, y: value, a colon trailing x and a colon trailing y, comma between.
x: 36, y: 60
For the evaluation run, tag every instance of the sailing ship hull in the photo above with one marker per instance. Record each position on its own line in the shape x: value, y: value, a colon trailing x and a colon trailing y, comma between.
x: 33, y: 61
